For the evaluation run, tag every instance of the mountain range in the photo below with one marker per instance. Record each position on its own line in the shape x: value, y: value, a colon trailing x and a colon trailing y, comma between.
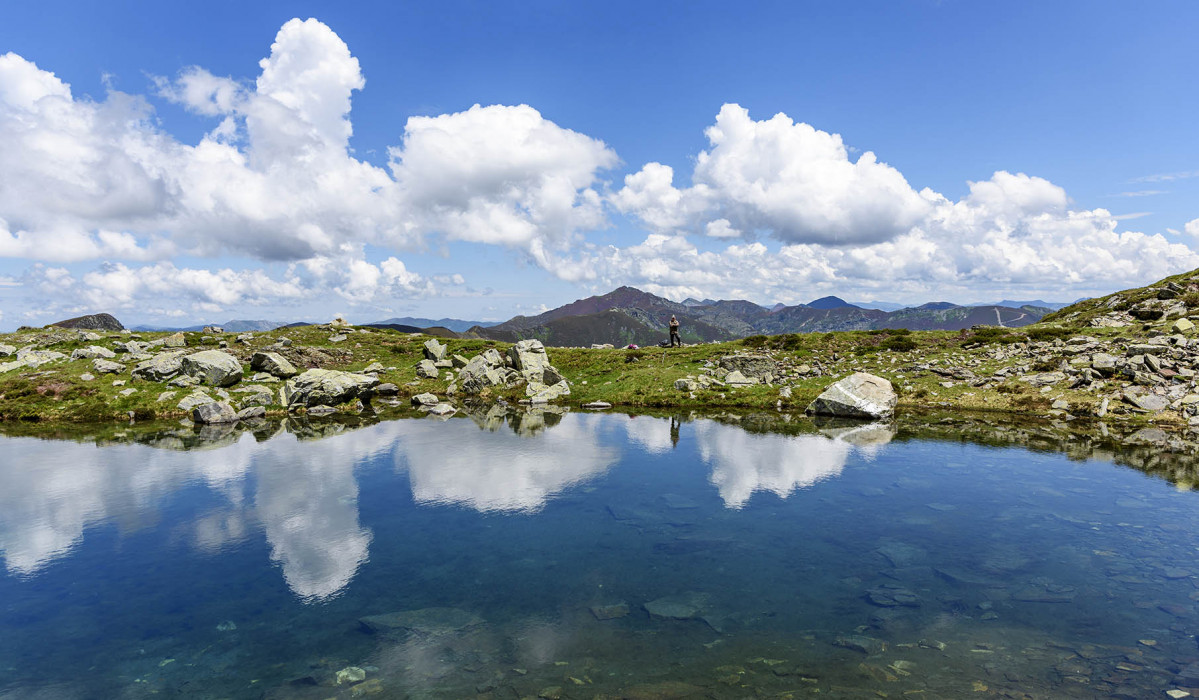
x: 629, y: 315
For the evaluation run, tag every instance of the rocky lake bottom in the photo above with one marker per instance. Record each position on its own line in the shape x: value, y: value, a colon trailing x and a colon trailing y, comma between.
x: 539, y: 555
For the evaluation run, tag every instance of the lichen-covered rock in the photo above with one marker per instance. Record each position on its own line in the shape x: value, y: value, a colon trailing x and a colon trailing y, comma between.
x: 250, y: 413
x: 92, y: 352
x: 425, y: 400
x: 551, y: 393
x: 426, y: 369
x: 213, y: 367
x: 860, y: 395
x: 479, y: 374
x: 213, y: 412
x: 274, y: 364
x: 175, y: 340
x: 528, y: 355
x: 192, y: 400
x: 686, y: 384
x: 160, y: 367
x: 434, y: 351
x: 107, y: 367
x: 327, y: 387
x: 752, y: 366
x: 7, y: 350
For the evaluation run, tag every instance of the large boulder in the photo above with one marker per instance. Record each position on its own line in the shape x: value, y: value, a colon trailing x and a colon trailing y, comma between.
x: 528, y: 355
x: 213, y: 367
x: 160, y: 367
x: 860, y: 395
x: 93, y: 322
x: 100, y: 366
x: 273, y: 364
x: 327, y: 387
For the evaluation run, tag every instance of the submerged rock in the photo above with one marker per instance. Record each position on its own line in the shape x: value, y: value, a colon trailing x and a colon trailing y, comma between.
x: 684, y: 606
x: 860, y: 395
x: 428, y: 621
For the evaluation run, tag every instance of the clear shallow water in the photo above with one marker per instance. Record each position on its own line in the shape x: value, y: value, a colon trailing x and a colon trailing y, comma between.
x: 833, y: 563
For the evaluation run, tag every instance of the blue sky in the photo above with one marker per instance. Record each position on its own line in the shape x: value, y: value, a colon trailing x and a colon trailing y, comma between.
x: 152, y: 167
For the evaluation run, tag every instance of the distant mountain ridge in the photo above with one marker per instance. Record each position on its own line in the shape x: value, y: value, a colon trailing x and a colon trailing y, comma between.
x: 629, y: 315
x: 454, y: 324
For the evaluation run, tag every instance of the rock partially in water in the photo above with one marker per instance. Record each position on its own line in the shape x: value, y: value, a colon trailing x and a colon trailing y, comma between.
x: 327, y: 387
x: 214, y: 412
x: 860, y: 395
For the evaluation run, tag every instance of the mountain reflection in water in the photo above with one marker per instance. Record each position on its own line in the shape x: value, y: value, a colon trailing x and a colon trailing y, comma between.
x: 303, y: 495
x: 518, y: 538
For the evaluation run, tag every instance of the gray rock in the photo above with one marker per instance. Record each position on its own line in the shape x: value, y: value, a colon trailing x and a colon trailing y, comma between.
x: 213, y: 367
x: 250, y: 413
x: 87, y: 377
x: 442, y: 409
x: 528, y: 355
x: 1103, y: 363
x: 492, y: 357
x: 388, y: 389
x: 425, y: 400
x: 259, y: 396
x: 92, y: 352
x: 337, y: 338
x: 132, y: 347
x: 599, y: 405
x: 1147, y: 402
x: 213, y: 412
x: 859, y: 395
x: 373, y: 368
x: 37, y: 358
x: 434, y: 351
x: 478, y: 374
x: 458, y: 361
x: 425, y: 369
x: 107, y: 367
x: 183, y: 381
x: 736, y: 378
x: 7, y: 350
x: 326, y: 387
x: 175, y: 340
x: 686, y: 385
x: 551, y: 393
x: 213, y: 329
x: 160, y: 367
x: 192, y: 400
x: 274, y: 364
x: 752, y: 366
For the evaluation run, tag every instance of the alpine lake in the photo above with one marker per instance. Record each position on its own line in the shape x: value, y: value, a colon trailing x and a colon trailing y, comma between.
x: 512, y: 553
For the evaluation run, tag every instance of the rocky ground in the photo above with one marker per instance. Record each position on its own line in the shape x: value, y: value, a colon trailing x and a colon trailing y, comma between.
x: 1131, y: 358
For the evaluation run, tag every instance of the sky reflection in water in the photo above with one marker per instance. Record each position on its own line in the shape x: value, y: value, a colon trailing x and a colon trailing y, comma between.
x: 529, y: 519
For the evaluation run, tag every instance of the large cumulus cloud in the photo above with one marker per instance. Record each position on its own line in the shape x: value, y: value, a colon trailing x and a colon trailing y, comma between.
x: 774, y: 208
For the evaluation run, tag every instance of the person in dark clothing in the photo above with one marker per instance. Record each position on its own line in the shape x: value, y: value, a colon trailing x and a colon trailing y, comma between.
x: 674, y: 332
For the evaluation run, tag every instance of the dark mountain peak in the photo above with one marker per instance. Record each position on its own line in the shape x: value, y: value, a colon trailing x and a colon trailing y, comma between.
x: 92, y: 322
x: 829, y: 303
x: 937, y: 306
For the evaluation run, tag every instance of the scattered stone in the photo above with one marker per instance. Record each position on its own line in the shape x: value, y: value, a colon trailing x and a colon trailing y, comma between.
x: 7, y: 350
x: 340, y: 337
x: 425, y: 369
x: 350, y: 674
x: 551, y: 393
x: 191, y: 401
x: 326, y: 387
x: 736, y: 378
x: 92, y: 352
x: 213, y: 367
x: 127, y: 392
x: 164, y: 396
x: 387, y: 390
x: 107, y: 367
x: 434, y: 351
x: 213, y: 412
x: 442, y: 409
x: 686, y: 384
x: 425, y: 400
x: 859, y: 395
x: 599, y: 405
x: 87, y: 377
x: 161, y: 367
x: 373, y: 368
x: 273, y: 364
x: 175, y: 340
x: 251, y: 413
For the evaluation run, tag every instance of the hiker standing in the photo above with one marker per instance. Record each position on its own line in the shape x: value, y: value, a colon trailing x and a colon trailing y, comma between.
x: 674, y: 332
